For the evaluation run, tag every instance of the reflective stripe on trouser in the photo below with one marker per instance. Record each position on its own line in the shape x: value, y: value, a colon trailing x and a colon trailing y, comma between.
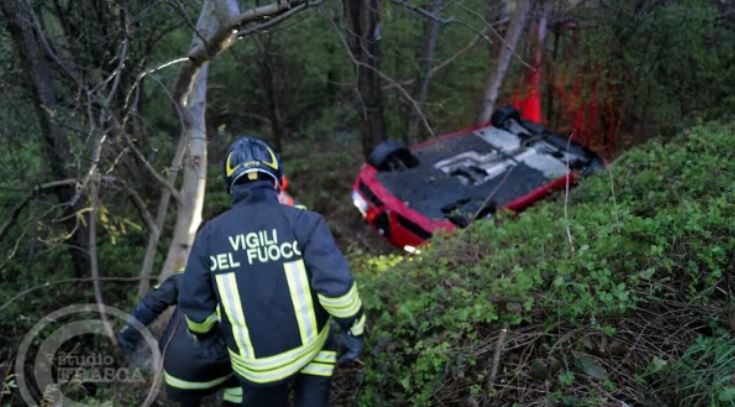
x: 232, y: 395
x: 322, y: 364
x: 182, y: 384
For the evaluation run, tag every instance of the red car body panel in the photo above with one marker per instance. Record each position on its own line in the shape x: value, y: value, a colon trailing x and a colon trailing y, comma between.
x: 391, y: 208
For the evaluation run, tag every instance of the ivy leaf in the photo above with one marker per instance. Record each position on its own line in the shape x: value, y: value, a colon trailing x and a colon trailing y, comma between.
x: 647, y: 273
x: 727, y: 394
x: 406, y: 382
x: 589, y: 366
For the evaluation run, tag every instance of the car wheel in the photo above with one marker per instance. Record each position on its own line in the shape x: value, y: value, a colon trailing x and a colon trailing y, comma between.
x: 594, y: 164
x: 391, y: 155
x: 501, y: 116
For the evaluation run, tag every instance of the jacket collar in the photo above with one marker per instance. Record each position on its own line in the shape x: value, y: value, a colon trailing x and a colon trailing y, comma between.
x: 251, y: 192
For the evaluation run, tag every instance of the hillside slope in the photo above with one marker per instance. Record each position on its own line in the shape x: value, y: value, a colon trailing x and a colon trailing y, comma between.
x: 626, y: 297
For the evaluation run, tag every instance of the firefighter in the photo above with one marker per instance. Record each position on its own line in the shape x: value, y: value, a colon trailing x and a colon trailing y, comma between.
x: 192, y: 369
x: 279, y: 280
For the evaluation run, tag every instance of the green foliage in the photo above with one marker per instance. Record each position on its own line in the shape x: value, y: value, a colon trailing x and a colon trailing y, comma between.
x: 702, y: 376
x: 657, y: 228
x: 662, y: 65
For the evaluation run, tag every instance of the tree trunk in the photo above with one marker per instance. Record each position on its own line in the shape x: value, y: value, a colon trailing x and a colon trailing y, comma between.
x: 33, y: 57
x: 363, y: 35
x: 267, y: 72
x: 192, y: 107
x: 532, y: 109
x: 219, y: 22
x: 155, y: 233
x: 421, y: 91
x: 495, y: 81
x: 189, y: 211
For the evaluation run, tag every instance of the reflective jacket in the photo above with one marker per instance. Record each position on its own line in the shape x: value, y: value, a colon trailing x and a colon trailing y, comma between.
x: 278, y: 277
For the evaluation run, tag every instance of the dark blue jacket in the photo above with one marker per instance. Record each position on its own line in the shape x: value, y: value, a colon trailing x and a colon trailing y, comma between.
x: 276, y: 277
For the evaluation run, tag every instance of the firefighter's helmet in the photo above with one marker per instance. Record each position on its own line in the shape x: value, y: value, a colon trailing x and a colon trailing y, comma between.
x: 250, y: 159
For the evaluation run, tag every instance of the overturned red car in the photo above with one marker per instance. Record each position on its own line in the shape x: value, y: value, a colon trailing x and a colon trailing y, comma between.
x: 407, y: 194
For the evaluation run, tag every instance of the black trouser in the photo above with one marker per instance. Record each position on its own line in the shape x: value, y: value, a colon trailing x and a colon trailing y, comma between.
x: 194, y: 369
x: 197, y: 403
x: 190, y: 398
x: 311, y: 384
x: 310, y: 391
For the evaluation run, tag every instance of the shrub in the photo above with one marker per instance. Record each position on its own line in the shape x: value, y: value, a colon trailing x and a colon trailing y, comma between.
x: 643, y: 250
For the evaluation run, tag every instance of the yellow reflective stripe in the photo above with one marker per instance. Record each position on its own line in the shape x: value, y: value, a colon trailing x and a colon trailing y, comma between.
x: 277, y: 367
x: 298, y: 285
x: 230, y: 297
x: 318, y: 369
x: 281, y: 359
x: 345, y: 306
x: 232, y: 394
x: 201, y: 327
x: 326, y: 356
x: 341, y: 301
x: 174, y: 381
x: 359, y: 326
x: 311, y: 316
x: 240, y: 312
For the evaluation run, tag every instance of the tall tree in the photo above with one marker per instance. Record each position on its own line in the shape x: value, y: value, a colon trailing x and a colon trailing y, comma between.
x: 220, y: 23
x: 426, y: 59
x: 495, y: 80
x: 363, y: 35
x: 20, y: 21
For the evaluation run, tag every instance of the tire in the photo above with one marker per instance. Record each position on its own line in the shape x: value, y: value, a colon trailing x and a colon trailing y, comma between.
x: 384, y: 155
x: 501, y: 116
x: 594, y: 164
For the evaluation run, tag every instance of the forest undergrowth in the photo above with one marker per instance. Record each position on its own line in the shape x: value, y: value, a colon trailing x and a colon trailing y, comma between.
x: 626, y: 300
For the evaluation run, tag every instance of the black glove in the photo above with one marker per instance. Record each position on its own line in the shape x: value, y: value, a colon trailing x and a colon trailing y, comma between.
x: 128, y: 339
x: 350, y: 347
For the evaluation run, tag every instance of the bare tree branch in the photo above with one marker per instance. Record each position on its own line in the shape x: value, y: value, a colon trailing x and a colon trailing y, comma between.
x: 180, y: 10
x: 499, y: 346
x: 278, y: 18
x: 392, y: 81
x: 467, y: 47
x: 220, y: 40
x: 491, y: 28
x: 155, y: 233
x: 166, y: 183
x: 426, y: 13
x: 34, y: 192
x: 139, y: 204
x: 27, y: 291
x: 93, y: 259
